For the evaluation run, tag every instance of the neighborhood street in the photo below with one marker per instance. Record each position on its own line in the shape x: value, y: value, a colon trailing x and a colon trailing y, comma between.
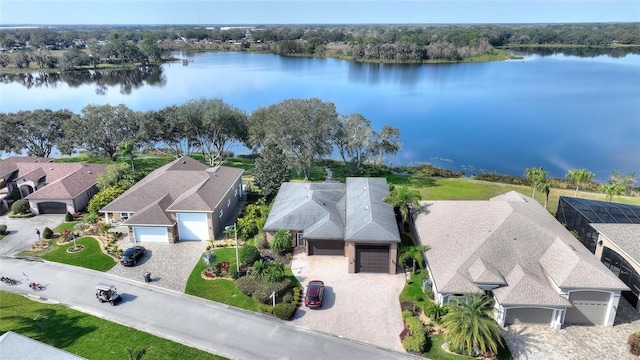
x: 203, y: 324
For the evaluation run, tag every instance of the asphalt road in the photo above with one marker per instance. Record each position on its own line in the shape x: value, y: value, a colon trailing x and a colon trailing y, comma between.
x: 195, y: 322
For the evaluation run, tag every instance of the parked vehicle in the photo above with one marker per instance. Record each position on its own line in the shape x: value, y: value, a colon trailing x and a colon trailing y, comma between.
x: 35, y: 286
x: 315, y: 292
x: 7, y: 280
x: 132, y: 255
x: 107, y: 293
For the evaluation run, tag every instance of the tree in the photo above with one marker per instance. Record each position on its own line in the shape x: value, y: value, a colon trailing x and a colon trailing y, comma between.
x: 579, y: 177
x: 259, y: 269
x: 115, y: 173
x: 36, y: 131
x: 404, y: 200
x: 281, y: 241
x: 611, y: 190
x: 214, y: 125
x: 536, y: 176
x: 166, y: 128
x: 387, y: 142
x: 275, y: 271
x: 304, y: 128
x: 469, y: 326
x: 101, y: 128
x: 271, y: 168
x: 74, y: 58
x: 546, y: 188
x: 625, y: 181
x: 414, y: 253
x: 127, y: 149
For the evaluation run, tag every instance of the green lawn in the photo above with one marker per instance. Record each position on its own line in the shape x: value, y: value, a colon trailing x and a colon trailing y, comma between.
x: 221, y: 290
x: 91, y: 257
x: 85, y: 335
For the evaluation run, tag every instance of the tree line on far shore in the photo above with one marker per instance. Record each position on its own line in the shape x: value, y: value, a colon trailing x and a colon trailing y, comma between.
x: 89, y: 46
x: 297, y: 131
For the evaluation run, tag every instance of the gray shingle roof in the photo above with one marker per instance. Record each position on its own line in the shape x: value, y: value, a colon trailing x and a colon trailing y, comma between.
x: 14, y: 346
x: 191, y: 186
x: 515, y: 239
x: 626, y: 237
x: 353, y: 211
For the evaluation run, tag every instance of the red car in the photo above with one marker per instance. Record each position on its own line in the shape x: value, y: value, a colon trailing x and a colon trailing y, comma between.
x: 315, y: 291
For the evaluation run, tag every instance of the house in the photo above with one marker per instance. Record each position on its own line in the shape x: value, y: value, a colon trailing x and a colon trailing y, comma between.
x: 51, y: 188
x: 184, y: 200
x: 512, y: 249
x: 339, y: 219
x: 611, y: 232
x: 14, y: 346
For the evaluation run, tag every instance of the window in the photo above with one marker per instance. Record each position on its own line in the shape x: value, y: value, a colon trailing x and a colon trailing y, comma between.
x: 235, y: 193
x: 124, y: 216
x: 228, y: 202
x: 220, y: 214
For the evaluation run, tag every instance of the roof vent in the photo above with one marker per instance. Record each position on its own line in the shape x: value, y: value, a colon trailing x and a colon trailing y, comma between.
x: 184, y: 161
x: 515, y: 238
x: 364, y: 188
x: 308, y: 195
x: 89, y: 172
x: 366, y: 207
x: 50, y: 168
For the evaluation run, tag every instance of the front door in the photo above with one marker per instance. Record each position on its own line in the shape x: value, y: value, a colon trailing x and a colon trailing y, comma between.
x: 300, y: 240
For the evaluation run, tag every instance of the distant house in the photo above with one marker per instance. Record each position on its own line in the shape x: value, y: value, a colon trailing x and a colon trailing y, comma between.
x: 184, y: 200
x: 340, y: 219
x: 512, y: 249
x: 51, y: 188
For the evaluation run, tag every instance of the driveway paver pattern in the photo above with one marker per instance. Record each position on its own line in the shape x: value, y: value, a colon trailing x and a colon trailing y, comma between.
x: 575, y: 342
x: 169, y: 264
x: 363, y: 307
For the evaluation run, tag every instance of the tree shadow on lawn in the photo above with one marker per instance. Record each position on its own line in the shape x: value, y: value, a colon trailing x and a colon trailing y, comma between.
x: 50, y: 326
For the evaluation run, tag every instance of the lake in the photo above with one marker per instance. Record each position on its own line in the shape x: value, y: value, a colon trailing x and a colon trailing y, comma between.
x: 558, y: 112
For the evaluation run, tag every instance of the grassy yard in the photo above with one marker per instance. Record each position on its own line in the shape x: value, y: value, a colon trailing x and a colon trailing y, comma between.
x: 91, y: 257
x: 85, y: 335
x: 220, y: 290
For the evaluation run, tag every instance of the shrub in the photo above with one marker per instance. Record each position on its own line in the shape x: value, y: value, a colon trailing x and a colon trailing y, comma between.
x: 90, y: 218
x: 3, y: 229
x: 249, y: 254
x: 47, y: 233
x: 417, y: 341
x: 21, y: 207
x: 284, y: 310
x: 634, y: 343
x: 288, y: 297
x: 267, y: 288
x: 248, y: 285
x: 268, y: 309
x: 80, y: 227
x: 104, y: 228
x: 233, y: 271
x: 407, y: 314
x: 261, y: 240
x: 68, y: 217
x: 435, y: 312
x: 15, y: 194
x: 296, y: 294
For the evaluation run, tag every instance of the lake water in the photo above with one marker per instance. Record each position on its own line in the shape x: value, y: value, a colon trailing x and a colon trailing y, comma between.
x: 558, y: 112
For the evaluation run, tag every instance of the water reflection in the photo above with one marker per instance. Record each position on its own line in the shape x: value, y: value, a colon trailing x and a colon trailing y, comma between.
x: 614, y: 52
x: 126, y: 80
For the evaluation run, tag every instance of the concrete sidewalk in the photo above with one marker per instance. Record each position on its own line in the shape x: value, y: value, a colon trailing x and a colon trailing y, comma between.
x: 195, y: 322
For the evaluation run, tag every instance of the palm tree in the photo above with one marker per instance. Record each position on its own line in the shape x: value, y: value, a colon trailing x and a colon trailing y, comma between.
x: 259, y: 269
x: 127, y: 149
x: 209, y: 258
x: 413, y: 253
x: 536, y: 176
x: 546, y: 187
x: 404, y: 199
x: 579, y: 177
x: 275, y: 271
x: 611, y: 190
x: 469, y: 326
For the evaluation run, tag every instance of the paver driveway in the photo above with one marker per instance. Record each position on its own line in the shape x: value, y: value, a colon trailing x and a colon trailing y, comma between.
x: 169, y: 264
x: 575, y: 342
x: 22, y: 232
x: 363, y: 307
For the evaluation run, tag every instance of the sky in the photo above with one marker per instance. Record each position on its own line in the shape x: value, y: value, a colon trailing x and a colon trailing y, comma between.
x: 259, y: 12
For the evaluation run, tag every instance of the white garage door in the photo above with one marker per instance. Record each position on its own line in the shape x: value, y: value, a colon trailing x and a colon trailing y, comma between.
x: 589, y: 308
x: 150, y: 234
x: 193, y: 227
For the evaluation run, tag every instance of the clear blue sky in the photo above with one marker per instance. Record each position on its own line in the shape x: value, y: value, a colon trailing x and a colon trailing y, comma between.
x: 315, y: 11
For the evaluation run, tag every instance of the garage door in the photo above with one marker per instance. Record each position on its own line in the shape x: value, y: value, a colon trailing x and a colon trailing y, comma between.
x: 52, y: 208
x: 326, y: 247
x: 373, y: 259
x: 150, y: 234
x: 193, y: 227
x: 529, y: 316
x: 589, y: 308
